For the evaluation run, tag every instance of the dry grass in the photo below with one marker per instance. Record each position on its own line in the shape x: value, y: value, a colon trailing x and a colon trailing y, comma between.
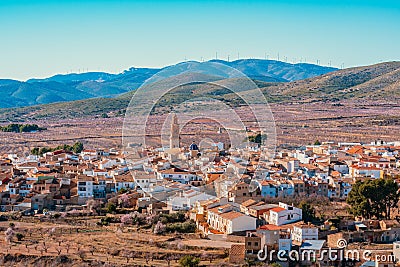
x: 111, y: 245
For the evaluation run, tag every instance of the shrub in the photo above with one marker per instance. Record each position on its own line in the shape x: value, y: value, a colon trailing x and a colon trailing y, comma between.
x: 19, y: 236
x: 186, y: 227
x: 111, y: 207
x: 189, y: 261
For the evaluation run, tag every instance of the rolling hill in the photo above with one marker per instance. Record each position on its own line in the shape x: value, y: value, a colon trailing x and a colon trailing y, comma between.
x: 376, y: 82
x: 71, y: 87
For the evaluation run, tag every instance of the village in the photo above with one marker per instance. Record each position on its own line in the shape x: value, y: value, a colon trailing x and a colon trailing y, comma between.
x: 293, y: 202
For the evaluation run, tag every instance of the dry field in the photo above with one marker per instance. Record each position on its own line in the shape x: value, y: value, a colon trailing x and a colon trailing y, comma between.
x: 83, y: 243
x: 296, y: 124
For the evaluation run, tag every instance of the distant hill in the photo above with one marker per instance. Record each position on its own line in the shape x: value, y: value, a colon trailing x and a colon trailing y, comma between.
x: 276, y: 71
x: 375, y: 82
x: 71, y: 87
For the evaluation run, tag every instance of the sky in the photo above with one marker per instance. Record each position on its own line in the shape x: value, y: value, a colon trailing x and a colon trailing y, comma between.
x: 41, y: 38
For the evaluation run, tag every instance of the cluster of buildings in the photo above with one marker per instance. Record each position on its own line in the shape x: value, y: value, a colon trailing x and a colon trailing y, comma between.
x: 227, y: 192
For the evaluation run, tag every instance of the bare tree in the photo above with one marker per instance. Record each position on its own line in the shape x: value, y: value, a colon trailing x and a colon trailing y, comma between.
x: 81, y: 255
x: 45, y: 247
x: 68, y: 246
x: 92, y: 250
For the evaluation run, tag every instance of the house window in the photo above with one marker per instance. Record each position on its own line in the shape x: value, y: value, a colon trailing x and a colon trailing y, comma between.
x: 255, y: 243
x: 249, y: 243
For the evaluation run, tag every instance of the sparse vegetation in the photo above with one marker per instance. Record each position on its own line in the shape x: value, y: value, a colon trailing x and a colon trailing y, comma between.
x: 189, y: 261
x: 21, y: 128
x: 76, y: 148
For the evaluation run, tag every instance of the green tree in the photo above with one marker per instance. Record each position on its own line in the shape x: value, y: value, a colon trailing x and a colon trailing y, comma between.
x: 258, y: 138
x: 122, y: 191
x: 308, y: 211
x: 373, y: 198
x: 111, y: 207
x: 44, y: 150
x: 77, y: 147
x: 317, y: 143
x: 35, y: 151
x: 189, y: 261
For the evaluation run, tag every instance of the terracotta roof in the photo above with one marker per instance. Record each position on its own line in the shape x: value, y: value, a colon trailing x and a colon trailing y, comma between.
x: 232, y: 215
x: 248, y: 203
x: 269, y: 227
x: 355, y: 150
x: 277, y: 209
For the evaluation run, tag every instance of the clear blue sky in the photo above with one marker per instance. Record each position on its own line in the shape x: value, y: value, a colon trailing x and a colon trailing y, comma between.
x: 46, y: 37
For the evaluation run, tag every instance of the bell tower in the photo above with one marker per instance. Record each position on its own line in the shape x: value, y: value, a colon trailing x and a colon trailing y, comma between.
x: 174, y: 137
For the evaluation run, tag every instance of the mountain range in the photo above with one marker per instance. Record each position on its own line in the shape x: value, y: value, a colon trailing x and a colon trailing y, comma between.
x: 379, y: 82
x: 78, y: 86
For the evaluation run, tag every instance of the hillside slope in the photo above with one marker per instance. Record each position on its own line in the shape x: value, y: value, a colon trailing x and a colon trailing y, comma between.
x: 375, y: 82
x: 70, y: 87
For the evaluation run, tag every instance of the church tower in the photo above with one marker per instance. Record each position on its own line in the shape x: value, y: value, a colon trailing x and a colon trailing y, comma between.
x: 174, y: 137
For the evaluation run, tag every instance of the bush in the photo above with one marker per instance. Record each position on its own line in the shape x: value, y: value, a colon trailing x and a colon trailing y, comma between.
x: 111, y: 207
x: 189, y: 261
x: 105, y: 221
x: 122, y: 191
x: 173, y: 218
x: 19, y: 236
x: 186, y: 227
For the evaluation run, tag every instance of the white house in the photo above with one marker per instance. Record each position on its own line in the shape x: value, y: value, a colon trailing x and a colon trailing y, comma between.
x: 144, y: 179
x: 85, y: 186
x: 89, y: 154
x: 186, y: 200
x: 284, y: 214
x: 361, y: 171
x: 303, y: 232
x: 180, y: 176
x: 124, y: 181
x: 228, y: 220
